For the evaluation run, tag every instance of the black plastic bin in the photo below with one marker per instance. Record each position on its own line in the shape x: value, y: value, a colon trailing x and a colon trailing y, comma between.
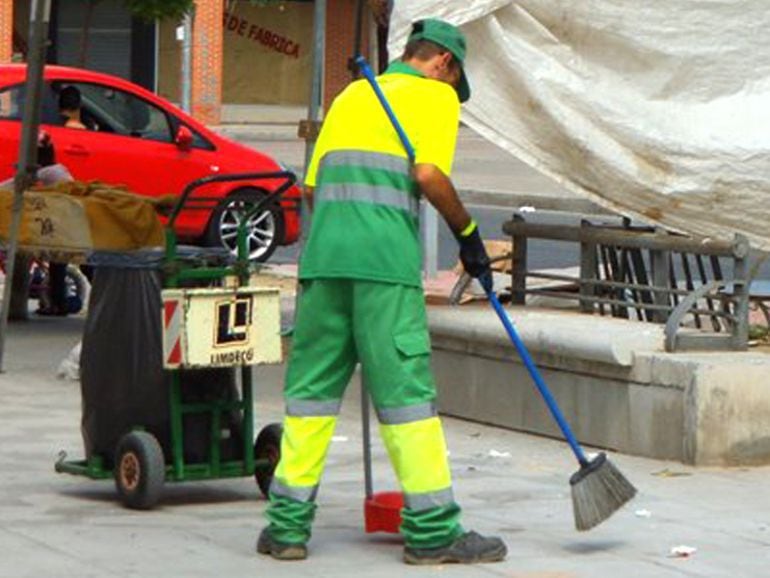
x: 123, y: 383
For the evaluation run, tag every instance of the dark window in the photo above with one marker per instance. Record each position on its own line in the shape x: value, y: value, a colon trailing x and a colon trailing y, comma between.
x: 199, y: 142
x: 12, y: 104
x: 108, y: 109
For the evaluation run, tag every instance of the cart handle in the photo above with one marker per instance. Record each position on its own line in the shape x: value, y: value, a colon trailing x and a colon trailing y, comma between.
x: 290, y: 177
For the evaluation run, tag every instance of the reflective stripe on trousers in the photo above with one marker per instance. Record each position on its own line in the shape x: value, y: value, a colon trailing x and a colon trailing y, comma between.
x: 307, y: 431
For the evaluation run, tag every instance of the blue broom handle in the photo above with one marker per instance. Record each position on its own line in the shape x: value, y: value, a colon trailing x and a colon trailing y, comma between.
x: 535, y: 373
x: 369, y: 75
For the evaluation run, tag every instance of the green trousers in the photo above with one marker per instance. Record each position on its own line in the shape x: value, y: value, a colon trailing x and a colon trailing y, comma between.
x: 382, y: 326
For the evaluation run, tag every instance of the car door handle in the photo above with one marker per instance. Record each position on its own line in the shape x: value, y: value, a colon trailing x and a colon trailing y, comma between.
x: 77, y: 150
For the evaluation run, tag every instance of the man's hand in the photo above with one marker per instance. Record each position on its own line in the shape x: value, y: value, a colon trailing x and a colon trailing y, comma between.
x: 473, y: 255
x: 440, y: 192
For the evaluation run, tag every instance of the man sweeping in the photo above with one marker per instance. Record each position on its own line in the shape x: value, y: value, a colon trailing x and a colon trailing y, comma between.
x: 362, y: 299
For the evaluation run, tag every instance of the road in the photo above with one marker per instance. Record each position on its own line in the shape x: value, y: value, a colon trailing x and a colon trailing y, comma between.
x: 492, y: 182
x: 479, y: 166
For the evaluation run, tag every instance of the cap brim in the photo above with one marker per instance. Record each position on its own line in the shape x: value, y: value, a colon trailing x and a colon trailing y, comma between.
x: 463, y: 88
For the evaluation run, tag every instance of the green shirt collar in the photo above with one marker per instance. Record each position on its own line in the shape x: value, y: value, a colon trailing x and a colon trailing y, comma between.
x: 400, y: 67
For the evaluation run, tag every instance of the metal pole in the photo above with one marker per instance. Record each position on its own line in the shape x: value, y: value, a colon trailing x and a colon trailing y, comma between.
x: 187, y: 27
x: 659, y: 261
x: 373, y: 48
x: 430, y: 241
x: 519, y: 268
x: 357, y: 36
x: 27, y: 167
x: 741, y: 287
x: 319, y: 34
x: 367, y: 441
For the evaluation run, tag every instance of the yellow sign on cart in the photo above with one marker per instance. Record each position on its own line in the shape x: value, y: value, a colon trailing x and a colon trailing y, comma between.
x: 221, y: 327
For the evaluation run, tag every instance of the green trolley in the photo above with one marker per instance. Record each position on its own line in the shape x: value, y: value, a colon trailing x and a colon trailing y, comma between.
x: 212, y: 324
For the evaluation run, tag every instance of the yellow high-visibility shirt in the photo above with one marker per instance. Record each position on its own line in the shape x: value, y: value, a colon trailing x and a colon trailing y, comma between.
x: 366, y: 218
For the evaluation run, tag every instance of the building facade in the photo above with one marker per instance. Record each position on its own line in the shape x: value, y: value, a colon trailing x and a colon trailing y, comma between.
x: 244, y: 52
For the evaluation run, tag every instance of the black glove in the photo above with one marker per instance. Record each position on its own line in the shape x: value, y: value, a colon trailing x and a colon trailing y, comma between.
x: 473, y: 255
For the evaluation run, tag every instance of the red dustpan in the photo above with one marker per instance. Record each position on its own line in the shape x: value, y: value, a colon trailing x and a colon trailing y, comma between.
x: 382, y: 511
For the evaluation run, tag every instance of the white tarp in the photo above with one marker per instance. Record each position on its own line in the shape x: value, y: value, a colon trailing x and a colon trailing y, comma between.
x: 655, y: 109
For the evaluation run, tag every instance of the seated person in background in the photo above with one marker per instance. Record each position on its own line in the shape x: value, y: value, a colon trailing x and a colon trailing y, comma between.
x: 50, y: 173
x: 69, y: 107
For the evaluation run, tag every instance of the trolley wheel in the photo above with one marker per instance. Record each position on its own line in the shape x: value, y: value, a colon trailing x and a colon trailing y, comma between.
x: 139, y: 470
x: 267, y: 447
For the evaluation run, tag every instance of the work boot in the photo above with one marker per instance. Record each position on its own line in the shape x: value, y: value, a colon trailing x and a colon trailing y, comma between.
x: 469, y: 548
x: 280, y: 550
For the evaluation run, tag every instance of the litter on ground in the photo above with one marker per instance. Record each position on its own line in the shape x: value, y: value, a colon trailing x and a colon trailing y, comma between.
x: 682, y: 551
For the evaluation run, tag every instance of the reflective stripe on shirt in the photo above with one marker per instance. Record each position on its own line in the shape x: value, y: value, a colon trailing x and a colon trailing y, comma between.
x: 369, y: 160
x: 385, y: 196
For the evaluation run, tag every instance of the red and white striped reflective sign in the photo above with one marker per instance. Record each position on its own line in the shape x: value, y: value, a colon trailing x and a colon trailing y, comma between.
x: 172, y: 332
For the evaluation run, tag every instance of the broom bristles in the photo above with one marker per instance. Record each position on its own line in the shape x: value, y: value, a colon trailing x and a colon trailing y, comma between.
x: 598, y: 491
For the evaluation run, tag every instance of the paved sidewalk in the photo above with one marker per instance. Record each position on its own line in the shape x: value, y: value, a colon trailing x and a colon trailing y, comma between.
x: 510, y: 484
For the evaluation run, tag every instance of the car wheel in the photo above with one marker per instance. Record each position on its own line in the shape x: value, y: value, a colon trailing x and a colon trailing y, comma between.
x: 264, y: 231
x: 267, y: 447
x: 139, y: 470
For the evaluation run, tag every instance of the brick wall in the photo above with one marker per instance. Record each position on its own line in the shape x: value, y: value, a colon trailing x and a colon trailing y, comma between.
x: 208, y: 47
x: 207, y: 61
x: 340, y: 37
x: 6, y: 31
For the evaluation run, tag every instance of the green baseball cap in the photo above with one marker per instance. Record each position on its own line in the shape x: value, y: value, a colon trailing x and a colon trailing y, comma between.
x: 449, y: 36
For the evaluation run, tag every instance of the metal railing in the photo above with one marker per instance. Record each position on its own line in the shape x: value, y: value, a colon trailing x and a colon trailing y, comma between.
x: 647, y: 274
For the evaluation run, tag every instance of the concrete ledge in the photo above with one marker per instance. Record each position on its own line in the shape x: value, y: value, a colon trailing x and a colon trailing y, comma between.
x: 564, y: 334
x: 613, y: 381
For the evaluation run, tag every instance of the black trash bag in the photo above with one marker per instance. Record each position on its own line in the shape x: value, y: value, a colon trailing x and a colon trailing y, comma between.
x: 206, y: 386
x: 123, y: 383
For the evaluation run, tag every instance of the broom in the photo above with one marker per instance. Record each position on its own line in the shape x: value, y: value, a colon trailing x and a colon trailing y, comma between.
x: 598, y: 487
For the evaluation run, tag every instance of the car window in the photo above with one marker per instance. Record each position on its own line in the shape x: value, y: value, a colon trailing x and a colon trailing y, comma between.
x: 11, y: 100
x: 199, y: 141
x: 112, y: 110
x: 12, y: 104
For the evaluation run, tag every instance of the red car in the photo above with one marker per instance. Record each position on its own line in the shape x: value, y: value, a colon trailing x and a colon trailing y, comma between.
x: 140, y: 140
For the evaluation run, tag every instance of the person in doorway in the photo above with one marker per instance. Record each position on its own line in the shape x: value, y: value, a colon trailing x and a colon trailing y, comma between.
x: 69, y: 107
x: 362, y: 299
